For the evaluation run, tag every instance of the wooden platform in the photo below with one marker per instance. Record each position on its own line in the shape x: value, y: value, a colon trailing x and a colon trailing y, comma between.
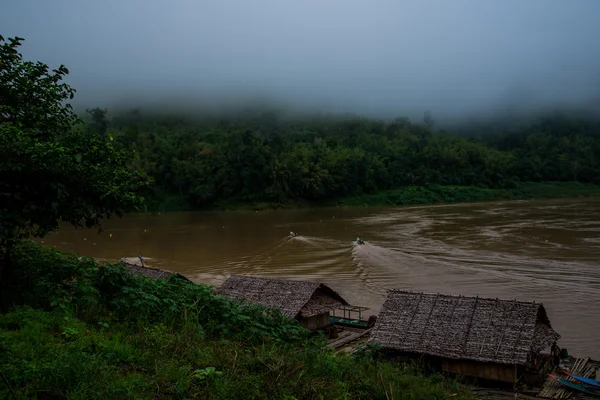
x: 494, y: 394
x: 347, y: 336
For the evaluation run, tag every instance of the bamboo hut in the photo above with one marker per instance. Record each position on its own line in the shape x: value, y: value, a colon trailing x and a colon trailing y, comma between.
x: 136, y: 266
x: 485, y: 338
x: 307, y: 302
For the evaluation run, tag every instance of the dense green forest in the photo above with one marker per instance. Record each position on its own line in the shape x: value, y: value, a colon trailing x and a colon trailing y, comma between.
x: 207, y: 161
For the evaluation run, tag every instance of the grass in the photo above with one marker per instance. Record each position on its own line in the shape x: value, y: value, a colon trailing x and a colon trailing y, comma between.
x: 79, y: 330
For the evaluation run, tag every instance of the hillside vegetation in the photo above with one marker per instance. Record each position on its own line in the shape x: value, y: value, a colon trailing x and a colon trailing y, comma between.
x: 271, y: 158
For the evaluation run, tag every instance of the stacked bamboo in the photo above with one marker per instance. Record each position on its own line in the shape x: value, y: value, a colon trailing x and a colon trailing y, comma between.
x: 554, y: 390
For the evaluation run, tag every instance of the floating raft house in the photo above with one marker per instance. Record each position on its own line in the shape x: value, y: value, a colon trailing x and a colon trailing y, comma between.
x: 481, y: 337
x: 308, y: 302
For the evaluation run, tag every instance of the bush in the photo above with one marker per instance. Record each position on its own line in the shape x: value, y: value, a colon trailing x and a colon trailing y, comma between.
x: 47, y: 279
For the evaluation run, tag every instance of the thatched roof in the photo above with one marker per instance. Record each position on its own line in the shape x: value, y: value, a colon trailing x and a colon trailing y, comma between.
x: 458, y: 327
x: 134, y: 266
x: 294, y: 298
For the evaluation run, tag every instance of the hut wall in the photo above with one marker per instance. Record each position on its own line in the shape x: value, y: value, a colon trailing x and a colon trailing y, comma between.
x: 496, y: 372
x: 316, y: 321
x: 320, y: 302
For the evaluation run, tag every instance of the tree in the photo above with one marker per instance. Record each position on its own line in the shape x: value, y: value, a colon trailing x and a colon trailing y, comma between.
x: 99, y: 124
x: 428, y: 119
x: 50, y: 170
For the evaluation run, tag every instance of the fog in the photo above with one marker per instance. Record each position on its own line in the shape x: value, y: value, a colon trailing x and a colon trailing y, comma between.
x: 380, y: 58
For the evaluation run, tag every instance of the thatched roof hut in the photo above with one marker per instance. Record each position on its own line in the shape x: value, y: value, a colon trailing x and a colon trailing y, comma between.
x: 305, y: 301
x: 135, y: 266
x: 463, y: 328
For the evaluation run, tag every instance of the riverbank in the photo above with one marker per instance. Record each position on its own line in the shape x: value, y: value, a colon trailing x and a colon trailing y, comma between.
x: 77, y: 329
x: 437, y: 194
x: 410, y: 195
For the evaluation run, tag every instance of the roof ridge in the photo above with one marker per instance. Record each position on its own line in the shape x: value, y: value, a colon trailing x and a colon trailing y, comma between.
x: 271, y: 278
x: 289, y: 295
x: 531, y: 302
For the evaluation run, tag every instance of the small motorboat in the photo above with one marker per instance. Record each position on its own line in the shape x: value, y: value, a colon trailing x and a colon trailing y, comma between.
x: 294, y: 234
x: 587, y: 381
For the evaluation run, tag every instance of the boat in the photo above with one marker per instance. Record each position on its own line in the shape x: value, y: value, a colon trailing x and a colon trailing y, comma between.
x: 587, y: 381
x: 352, y: 323
x: 576, y: 386
x: 349, y: 320
x: 359, y: 241
x: 294, y: 234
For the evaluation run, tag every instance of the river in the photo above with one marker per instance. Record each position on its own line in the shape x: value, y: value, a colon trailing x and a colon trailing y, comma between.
x: 546, y: 251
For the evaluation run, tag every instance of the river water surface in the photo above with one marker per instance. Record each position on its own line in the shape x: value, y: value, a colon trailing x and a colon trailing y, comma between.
x: 546, y: 251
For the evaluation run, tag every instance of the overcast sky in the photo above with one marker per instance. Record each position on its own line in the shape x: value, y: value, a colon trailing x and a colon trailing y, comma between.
x: 378, y: 57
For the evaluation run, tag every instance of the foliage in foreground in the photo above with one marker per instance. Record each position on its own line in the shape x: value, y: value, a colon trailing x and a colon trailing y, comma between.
x: 82, y: 331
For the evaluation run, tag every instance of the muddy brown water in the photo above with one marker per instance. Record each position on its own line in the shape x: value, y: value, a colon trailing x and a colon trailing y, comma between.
x: 546, y: 251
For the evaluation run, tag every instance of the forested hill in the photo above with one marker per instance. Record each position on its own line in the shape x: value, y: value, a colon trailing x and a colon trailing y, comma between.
x: 265, y: 157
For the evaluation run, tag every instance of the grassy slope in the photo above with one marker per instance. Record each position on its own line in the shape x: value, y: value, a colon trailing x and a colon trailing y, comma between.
x: 80, y: 331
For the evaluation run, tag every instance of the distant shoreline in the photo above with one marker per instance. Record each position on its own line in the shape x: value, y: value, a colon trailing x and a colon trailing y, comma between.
x: 409, y: 195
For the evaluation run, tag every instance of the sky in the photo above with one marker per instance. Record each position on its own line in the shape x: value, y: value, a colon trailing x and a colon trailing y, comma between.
x: 378, y: 57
